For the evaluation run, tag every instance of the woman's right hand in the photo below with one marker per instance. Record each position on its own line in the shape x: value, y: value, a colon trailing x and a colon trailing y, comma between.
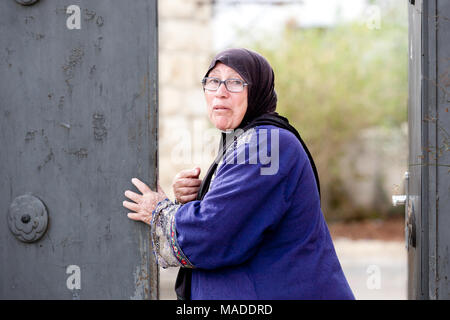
x: 186, y: 184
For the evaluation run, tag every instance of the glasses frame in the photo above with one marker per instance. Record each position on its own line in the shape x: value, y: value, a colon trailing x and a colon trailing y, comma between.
x: 224, y: 82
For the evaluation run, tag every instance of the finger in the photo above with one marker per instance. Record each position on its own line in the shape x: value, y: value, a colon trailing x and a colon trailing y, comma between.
x: 187, y: 191
x: 191, y: 173
x: 184, y: 199
x: 189, y: 198
x: 134, y: 216
x: 133, y: 196
x: 142, y: 187
x: 132, y: 206
x: 140, y: 217
x: 187, y: 182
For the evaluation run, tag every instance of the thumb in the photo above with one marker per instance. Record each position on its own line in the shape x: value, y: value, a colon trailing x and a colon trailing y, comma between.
x: 196, y: 171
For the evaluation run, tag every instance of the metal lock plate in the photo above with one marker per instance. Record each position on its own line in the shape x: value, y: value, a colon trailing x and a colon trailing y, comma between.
x: 27, y: 218
x: 410, y: 224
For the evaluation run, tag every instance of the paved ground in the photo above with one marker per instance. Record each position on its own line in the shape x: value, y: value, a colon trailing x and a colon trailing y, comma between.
x: 166, y: 283
x: 375, y: 269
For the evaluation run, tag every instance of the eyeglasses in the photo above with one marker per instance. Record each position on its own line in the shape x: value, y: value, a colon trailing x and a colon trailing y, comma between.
x: 232, y: 85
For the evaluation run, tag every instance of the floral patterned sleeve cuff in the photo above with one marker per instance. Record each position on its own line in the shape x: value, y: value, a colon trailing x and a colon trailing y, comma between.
x: 164, y: 236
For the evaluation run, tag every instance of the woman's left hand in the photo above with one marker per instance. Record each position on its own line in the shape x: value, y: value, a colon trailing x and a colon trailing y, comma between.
x: 144, y: 203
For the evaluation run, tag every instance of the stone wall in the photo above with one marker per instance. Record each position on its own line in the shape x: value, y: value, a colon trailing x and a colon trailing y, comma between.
x: 185, y: 50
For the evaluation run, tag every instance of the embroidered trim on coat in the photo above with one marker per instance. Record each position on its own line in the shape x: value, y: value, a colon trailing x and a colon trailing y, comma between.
x: 176, y: 248
x: 165, y: 246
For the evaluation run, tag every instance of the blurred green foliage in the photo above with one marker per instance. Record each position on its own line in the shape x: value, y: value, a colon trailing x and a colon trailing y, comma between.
x: 334, y: 82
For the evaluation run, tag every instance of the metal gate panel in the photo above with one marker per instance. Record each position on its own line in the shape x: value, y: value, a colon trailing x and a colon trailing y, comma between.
x: 78, y: 117
x: 438, y: 119
x: 415, y: 157
x: 429, y: 159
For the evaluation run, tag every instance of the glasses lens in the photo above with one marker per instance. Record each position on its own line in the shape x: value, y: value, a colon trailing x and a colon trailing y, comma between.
x: 211, y: 83
x: 234, y: 85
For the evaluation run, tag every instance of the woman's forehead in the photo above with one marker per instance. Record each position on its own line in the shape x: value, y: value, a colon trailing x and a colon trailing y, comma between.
x: 221, y: 68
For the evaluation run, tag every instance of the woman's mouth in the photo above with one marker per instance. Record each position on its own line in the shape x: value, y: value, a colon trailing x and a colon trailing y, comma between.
x: 220, y: 108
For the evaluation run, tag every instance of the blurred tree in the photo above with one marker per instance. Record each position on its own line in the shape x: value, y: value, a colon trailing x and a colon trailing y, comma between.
x: 334, y: 82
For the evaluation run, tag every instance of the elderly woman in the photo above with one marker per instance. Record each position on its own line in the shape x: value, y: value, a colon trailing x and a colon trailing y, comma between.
x: 253, y: 227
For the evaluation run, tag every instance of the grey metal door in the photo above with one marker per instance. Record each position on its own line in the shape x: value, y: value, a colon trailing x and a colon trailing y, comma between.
x: 428, y: 188
x: 78, y: 117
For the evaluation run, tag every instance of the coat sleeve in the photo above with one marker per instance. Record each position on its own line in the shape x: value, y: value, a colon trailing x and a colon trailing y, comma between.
x: 243, y: 202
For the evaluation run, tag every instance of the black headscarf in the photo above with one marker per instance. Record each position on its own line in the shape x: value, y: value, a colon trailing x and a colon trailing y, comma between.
x: 258, y: 73
x: 261, y: 105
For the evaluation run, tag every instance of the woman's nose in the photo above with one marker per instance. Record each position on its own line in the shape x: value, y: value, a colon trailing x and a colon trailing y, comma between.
x: 222, y: 90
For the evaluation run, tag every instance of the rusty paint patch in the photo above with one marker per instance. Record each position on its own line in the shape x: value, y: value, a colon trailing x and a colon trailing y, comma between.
x: 47, y: 159
x: 28, y: 19
x: 35, y: 36
x: 98, y: 123
x: 30, y: 135
x: 99, y: 21
x: 89, y: 14
x: 9, y: 52
x: 92, y: 71
x: 74, y: 59
x: 143, y: 86
x: 81, y: 153
x: 61, y: 102
x: 98, y: 44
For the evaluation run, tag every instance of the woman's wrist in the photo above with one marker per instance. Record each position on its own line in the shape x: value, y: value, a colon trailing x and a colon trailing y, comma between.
x: 162, y: 204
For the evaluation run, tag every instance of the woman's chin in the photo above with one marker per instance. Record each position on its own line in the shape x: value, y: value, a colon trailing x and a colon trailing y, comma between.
x: 222, y: 125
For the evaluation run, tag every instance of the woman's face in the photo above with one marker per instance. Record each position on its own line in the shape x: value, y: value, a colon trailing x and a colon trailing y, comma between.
x: 225, y: 109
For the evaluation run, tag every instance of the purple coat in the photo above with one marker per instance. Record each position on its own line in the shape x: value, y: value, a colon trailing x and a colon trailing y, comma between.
x: 261, y: 236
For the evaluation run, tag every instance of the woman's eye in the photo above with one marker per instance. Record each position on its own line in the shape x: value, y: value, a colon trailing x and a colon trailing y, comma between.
x: 213, y: 81
x: 235, y: 82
